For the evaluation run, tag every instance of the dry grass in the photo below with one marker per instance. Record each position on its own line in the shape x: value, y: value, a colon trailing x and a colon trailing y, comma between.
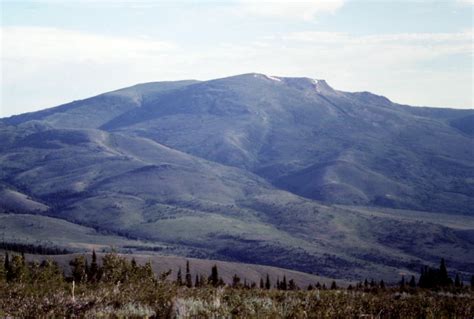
x: 166, y: 300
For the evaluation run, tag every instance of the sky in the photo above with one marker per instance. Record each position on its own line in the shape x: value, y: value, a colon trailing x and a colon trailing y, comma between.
x: 416, y: 52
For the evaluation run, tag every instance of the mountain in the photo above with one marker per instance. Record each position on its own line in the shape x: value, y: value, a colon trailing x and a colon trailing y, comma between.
x: 253, y: 168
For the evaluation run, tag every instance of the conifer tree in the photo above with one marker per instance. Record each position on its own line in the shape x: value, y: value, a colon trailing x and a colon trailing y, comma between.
x: 382, y: 284
x: 87, y: 269
x: 196, y: 281
x: 457, y: 282
x: 292, y: 285
x: 402, y: 283
x: 188, y: 278
x: 7, y: 266
x: 412, y: 282
x: 283, y: 284
x: 214, y: 278
x: 422, y: 281
x: 179, y: 278
x: 235, y: 281
x: 444, y: 279
x: 262, y: 285
x: 3, y: 272
x: 333, y: 285
x: 78, y: 269
x: 267, y: 283
x: 472, y: 282
x: 93, y: 274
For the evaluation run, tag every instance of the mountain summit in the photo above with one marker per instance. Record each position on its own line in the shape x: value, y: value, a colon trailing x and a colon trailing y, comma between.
x: 284, y: 165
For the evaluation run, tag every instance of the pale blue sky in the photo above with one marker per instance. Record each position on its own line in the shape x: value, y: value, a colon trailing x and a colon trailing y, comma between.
x: 413, y: 52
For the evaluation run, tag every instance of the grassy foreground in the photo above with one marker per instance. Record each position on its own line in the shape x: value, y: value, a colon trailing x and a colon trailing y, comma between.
x: 119, y: 288
x: 166, y: 300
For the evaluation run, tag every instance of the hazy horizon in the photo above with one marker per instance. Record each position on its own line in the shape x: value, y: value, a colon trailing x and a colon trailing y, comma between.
x: 413, y: 52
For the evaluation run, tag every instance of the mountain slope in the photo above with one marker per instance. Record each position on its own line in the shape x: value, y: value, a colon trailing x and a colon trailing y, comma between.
x: 230, y: 169
x: 282, y: 128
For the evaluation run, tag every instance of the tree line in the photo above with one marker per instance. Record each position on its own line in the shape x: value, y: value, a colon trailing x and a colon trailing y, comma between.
x: 115, y: 269
x: 33, y: 249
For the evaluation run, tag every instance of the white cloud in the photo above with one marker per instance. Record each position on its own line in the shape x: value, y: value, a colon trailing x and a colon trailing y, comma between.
x: 38, y: 43
x: 305, y: 10
x: 46, y: 66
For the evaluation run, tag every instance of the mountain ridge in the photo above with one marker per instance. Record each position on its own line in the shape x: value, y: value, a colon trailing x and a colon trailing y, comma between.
x: 252, y: 168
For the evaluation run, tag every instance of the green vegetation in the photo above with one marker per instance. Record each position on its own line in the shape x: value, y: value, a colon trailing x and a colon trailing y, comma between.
x: 33, y: 249
x: 118, y: 287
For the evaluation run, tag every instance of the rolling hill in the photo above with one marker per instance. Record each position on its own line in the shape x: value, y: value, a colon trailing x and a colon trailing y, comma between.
x: 286, y: 172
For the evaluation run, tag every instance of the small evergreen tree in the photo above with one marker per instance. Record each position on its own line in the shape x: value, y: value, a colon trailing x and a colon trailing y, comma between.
x: 333, y: 285
x: 93, y: 275
x: 235, y: 281
x: 457, y: 282
x: 7, y: 266
x: 422, y: 282
x: 372, y: 283
x: 3, y: 272
x: 188, y: 278
x: 283, y: 284
x: 444, y: 279
x: 412, y: 282
x: 196, y: 281
x: 382, y: 284
x: 78, y: 269
x: 262, y: 285
x: 214, y: 278
x: 179, y: 278
x: 267, y: 283
x: 402, y: 283
x: 292, y: 285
